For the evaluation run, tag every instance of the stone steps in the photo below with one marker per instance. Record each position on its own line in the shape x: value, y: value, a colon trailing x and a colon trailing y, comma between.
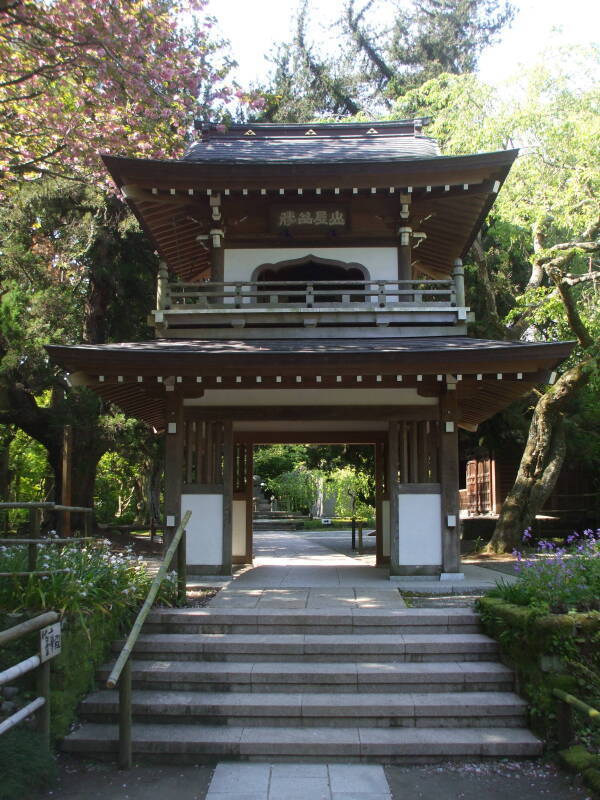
x: 314, y: 647
x: 170, y: 743
x: 313, y: 621
x: 453, y: 709
x: 386, y: 684
x: 336, y: 677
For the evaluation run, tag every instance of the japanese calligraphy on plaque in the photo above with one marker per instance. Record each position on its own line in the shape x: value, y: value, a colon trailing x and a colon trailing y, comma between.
x: 50, y: 642
x: 310, y: 219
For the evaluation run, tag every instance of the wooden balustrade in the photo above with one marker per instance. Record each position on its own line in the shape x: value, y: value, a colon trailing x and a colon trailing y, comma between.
x: 308, y: 294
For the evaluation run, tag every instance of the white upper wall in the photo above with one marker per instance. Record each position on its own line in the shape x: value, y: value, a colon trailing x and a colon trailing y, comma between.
x: 381, y: 263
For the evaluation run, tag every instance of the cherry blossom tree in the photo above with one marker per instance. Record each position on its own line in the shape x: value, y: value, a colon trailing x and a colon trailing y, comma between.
x: 80, y: 77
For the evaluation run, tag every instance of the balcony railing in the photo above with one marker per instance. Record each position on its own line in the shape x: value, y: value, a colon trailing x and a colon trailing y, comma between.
x: 351, y: 295
x: 254, y: 309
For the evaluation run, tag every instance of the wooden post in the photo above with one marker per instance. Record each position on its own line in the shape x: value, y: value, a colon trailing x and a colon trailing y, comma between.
x: 43, y: 714
x: 458, y: 274
x: 66, y: 497
x: 88, y: 528
x: 392, y: 484
x: 162, y: 287
x: 226, y: 557
x: 125, y: 751
x: 217, y: 260
x: 34, y: 533
x: 404, y: 246
x: 404, y: 256
x: 379, y: 497
x: 173, y: 463
x: 564, y: 724
x: 449, y: 480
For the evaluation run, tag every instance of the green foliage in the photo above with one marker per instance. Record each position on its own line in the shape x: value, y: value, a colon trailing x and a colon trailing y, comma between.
x: 548, y: 651
x: 97, y: 580
x: 559, y: 577
x: 384, y: 50
x: 25, y: 764
x: 275, y: 459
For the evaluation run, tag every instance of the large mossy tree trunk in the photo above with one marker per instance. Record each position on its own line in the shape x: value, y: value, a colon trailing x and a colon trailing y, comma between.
x: 541, y: 462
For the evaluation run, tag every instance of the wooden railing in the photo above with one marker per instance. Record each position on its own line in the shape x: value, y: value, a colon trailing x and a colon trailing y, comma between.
x: 565, y: 715
x: 379, y: 294
x: 41, y: 705
x: 34, y: 539
x: 121, y: 672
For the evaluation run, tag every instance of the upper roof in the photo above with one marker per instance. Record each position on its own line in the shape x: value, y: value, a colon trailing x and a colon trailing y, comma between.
x: 313, y: 144
x: 366, y: 165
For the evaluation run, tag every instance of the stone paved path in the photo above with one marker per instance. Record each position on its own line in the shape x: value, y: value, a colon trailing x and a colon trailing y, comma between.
x: 299, y: 782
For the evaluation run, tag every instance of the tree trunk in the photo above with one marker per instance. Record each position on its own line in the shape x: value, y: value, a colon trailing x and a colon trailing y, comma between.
x: 541, y: 462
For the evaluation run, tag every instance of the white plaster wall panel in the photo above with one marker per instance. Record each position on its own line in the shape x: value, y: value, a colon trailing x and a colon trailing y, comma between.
x: 385, y: 527
x: 238, y: 528
x: 381, y: 262
x: 204, y: 543
x: 310, y: 397
x: 420, y: 529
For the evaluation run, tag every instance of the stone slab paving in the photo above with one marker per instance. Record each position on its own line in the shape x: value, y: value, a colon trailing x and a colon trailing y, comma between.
x: 298, y: 782
x: 324, y: 560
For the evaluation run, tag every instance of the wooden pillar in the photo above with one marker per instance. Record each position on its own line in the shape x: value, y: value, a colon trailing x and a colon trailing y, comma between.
x: 217, y: 260
x: 449, y: 480
x: 392, y: 486
x: 217, y: 253
x: 379, y: 494
x: 66, y: 495
x: 404, y: 255
x: 173, y: 462
x: 227, y: 496
x: 458, y: 273
x: 162, y: 287
x: 404, y: 246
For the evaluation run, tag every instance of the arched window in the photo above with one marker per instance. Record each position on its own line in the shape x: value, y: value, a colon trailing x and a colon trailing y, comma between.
x: 332, y: 279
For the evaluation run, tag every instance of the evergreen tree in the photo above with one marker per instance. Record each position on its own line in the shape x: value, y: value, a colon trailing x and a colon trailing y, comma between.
x: 375, y: 62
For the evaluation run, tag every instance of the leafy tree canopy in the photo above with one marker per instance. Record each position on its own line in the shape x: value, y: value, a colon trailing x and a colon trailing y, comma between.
x: 81, y: 77
x: 384, y: 49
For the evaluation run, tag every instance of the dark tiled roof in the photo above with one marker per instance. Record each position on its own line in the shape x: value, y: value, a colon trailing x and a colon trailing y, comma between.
x: 401, y: 345
x: 313, y: 149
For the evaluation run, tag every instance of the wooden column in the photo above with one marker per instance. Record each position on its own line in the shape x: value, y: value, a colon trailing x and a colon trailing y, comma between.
x: 227, y: 496
x: 392, y: 486
x: 66, y: 495
x: 449, y: 480
x: 404, y: 246
x: 173, y: 462
x: 379, y: 497
x: 458, y: 274
x: 217, y: 261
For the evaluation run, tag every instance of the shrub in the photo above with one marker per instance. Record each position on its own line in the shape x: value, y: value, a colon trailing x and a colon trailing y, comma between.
x: 96, y: 580
x: 25, y: 764
x: 557, y: 578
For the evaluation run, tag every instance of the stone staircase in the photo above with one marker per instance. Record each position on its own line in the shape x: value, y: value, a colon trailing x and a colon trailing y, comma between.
x: 383, y: 685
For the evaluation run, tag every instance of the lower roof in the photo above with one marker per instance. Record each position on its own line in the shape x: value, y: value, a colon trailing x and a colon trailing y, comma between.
x: 133, y: 375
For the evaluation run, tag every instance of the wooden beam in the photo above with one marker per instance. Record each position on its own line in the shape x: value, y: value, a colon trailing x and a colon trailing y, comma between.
x: 302, y: 413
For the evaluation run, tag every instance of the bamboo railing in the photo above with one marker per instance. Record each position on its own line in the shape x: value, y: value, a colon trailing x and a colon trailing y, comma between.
x: 121, y: 672
x: 33, y: 540
x: 41, y: 705
x: 565, y: 715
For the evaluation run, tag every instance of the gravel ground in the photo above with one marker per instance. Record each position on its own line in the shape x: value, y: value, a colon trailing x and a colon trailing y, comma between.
x: 498, y: 780
x: 504, y: 779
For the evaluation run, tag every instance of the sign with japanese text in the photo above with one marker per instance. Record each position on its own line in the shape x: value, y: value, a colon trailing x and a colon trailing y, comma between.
x: 50, y: 642
x: 310, y: 218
